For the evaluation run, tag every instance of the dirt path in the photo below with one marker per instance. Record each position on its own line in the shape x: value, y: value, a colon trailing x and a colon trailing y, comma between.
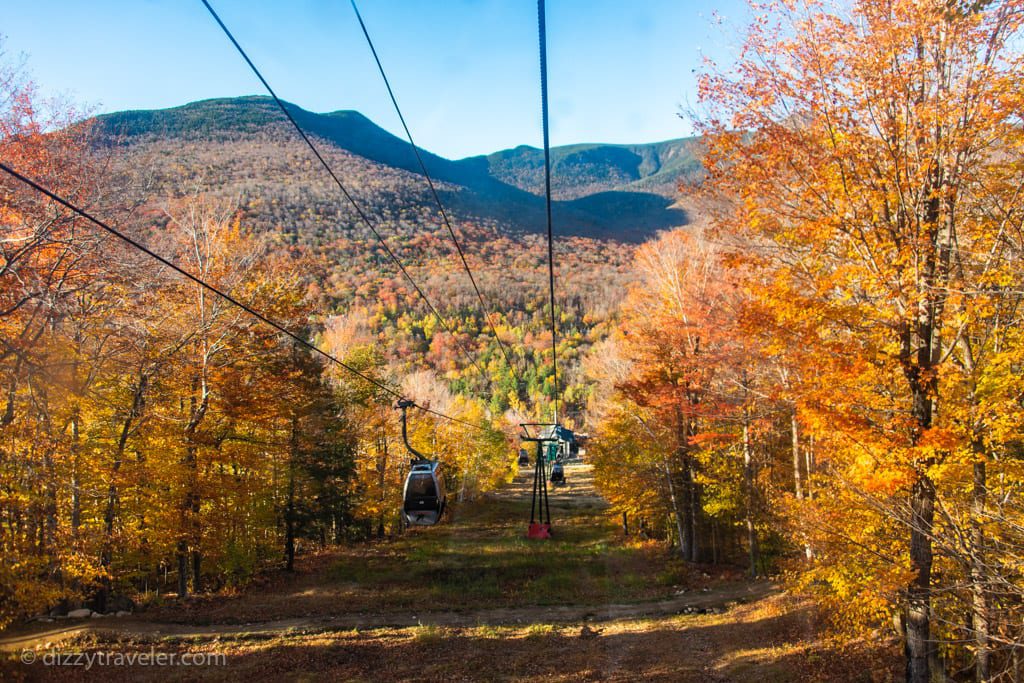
x: 510, y: 616
x: 475, y: 571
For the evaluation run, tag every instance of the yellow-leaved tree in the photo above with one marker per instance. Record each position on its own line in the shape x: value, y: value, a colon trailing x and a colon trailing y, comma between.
x: 870, y: 153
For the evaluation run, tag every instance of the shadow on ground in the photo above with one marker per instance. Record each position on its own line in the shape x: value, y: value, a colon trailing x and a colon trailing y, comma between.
x: 772, y: 641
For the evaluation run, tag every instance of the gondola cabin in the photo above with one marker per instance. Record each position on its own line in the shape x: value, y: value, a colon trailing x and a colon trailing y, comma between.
x: 558, y: 474
x: 424, y: 496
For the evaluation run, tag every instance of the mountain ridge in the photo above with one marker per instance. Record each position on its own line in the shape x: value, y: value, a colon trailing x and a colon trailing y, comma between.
x: 616, y: 191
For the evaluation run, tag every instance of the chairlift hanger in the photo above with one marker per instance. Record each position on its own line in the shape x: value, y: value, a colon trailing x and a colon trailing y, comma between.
x: 423, y: 496
x: 539, y: 505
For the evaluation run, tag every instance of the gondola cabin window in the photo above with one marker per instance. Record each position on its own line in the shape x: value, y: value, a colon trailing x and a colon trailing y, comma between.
x: 422, y: 486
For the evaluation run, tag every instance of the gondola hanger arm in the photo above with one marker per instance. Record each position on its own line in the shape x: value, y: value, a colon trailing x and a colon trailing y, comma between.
x: 404, y: 404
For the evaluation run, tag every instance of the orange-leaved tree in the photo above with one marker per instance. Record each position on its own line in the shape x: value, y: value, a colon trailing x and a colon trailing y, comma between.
x: 674, y: 399
x: 870, y: 151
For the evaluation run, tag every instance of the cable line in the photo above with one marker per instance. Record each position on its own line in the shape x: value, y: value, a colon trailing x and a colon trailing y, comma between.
x: 542, y: 29
x: 348, y: 196
x: 224, y: 295
x: 437, y: 199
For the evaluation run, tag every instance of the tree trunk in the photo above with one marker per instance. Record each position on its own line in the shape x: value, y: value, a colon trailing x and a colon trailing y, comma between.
x: 809, y: 462
x: 919, y: 646
x: 12, y: 394
x: 715, y: 554
x: 48, y: 529
x: 797, y: 478
x: 676, y: 512
x: 693, y: 510
x: 289, y: 515
x: 748, y: 482
x: 918, y: 352
x: 109, y: 515
x: 76, y: 482
x: 197, y: 574
x: 182, y: 568
x: 801, y: 489
x: 979, y: 603
x: 382, y: 468
x: 190, y: 532
x: 339, y: 528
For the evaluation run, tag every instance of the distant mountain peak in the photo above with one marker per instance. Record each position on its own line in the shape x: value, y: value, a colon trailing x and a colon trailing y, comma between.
x: 602, y: 189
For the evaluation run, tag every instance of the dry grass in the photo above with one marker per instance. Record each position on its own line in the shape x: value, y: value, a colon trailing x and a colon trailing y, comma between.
x: 773, y: 640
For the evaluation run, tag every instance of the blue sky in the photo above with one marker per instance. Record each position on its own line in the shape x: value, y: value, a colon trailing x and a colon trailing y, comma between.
x: 465, y: 71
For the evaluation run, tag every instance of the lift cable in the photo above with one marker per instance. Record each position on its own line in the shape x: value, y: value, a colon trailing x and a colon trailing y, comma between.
x: 547, y: 193
x: 362, y: 214
x: 433, y: 190
x: 224, y: 295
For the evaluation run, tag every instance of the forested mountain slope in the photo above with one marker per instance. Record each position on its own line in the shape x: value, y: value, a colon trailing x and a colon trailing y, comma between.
x: 627, y: 189
x: 243, y: 152
x: 587, y: 169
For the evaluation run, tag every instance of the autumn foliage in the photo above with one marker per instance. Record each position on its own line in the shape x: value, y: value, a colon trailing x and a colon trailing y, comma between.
x: 823, y: 379
x: 155, y: 438
x: 858, y: 330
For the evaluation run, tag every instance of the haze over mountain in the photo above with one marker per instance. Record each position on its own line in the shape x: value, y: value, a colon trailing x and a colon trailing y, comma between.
x: 622, y: 192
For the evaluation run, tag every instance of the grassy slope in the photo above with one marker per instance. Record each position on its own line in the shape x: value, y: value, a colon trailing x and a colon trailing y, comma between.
x: 481, y: 560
